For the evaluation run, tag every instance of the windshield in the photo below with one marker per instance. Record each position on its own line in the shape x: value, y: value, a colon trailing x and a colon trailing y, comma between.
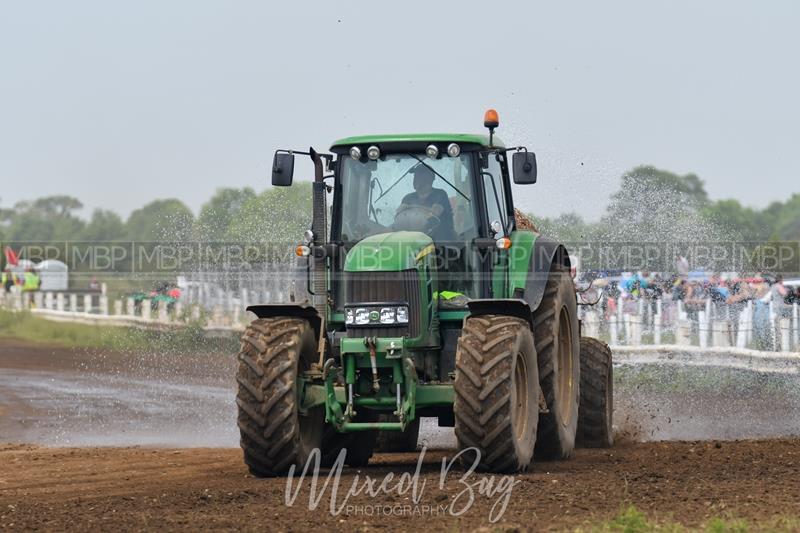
x: 408, y: 192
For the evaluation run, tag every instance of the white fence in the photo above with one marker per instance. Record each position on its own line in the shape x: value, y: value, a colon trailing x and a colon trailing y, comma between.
x: 216, y: 301
x: 97, y: 309
x: 229, y: 290
x: 632, y: 323
x: 737, y: 358
x: 638, y: 322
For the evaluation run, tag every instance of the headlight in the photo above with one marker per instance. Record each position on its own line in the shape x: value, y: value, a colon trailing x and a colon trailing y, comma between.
x: 453, y: 150
x: 402, y: 315
x: 387, y: 315
x: 373, y: 152
x: 362, y: 316
x: 432, y: 151
x: 373, y: 316
x: 355, y: 153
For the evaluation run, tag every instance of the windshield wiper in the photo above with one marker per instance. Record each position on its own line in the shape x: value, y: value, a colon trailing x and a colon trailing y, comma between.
x: 371, y: 203
x: 412, y: 167
x: 443, y: 178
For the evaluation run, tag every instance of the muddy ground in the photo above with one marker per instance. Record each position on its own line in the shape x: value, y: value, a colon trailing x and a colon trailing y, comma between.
x: 167, y: 455
x: 139, y: 488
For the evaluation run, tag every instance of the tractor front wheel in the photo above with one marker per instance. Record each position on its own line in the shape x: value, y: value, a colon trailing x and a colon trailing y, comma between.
x: 496, y: 393
x: 274, y: 433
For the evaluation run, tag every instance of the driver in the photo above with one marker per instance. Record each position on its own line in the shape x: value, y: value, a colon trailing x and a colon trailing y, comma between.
x: 436, y: 200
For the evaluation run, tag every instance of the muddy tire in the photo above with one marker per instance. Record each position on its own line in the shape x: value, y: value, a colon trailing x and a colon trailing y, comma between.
x: 557, y: 346
x: 396, y: 441
x: 597, y: 395
x: 274, y: 435
x: 496, y: 393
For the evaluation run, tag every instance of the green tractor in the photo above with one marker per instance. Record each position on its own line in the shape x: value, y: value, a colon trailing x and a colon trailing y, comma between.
x: 426, y: 300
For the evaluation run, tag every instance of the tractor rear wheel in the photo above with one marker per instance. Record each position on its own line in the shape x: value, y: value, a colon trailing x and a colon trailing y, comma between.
x: 496, y: 393
x: 397, y: 441
x: 597, y: 395
x: 274, y: 434
x: 555, y: 324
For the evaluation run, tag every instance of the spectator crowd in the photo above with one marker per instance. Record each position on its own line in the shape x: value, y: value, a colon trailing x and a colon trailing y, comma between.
x: 724, y: 296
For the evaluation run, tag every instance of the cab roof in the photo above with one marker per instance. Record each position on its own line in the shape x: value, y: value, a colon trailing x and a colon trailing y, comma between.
x: 405, y: 138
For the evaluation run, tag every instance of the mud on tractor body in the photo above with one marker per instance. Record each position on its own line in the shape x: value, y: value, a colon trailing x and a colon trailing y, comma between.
x: 427, y: 300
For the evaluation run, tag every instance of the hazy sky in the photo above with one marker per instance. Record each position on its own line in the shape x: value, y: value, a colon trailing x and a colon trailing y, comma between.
x: 119, y: 103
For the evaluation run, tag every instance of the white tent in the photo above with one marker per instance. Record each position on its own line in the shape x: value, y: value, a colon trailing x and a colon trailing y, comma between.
x: 54, y: 275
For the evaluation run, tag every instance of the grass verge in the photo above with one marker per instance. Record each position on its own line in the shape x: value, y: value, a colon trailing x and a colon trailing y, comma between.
x: 632, y: 520
x: 190, y: 339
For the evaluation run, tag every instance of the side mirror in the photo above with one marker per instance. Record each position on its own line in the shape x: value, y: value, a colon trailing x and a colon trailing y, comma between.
x: 282, y: 169
x: 524, y: 164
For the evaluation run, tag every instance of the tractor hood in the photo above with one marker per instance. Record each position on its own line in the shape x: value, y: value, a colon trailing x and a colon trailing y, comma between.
x: 389, y: 252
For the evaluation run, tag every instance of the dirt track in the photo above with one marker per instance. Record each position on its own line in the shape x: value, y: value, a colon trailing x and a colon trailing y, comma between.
x: 67, y: 398
x: 130, y: 488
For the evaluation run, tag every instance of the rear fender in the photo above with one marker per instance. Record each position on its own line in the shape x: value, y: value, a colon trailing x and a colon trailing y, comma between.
x: 546, y: 253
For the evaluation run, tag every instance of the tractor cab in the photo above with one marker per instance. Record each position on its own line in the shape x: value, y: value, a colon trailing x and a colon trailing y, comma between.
x: 451, y: 188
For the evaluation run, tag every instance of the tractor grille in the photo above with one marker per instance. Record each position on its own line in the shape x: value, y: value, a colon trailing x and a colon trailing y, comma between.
x: 385, y: 287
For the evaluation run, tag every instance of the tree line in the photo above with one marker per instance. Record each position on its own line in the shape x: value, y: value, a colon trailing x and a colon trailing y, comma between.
x: 650, y: 205
x: 654, y: 205
x: 229, y: 215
